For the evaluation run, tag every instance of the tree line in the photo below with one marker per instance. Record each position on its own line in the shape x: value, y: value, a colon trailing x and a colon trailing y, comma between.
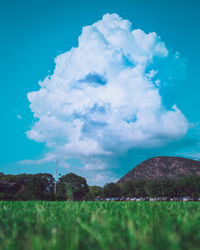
x: 185, y: 186
x: 42, y: 187
x: 73, y: 187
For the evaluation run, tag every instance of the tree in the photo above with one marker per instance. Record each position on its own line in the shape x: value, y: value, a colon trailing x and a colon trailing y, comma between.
x: 128, y: 189
x: 20, y: 181
x: 1, y: 175
x: 36, y: 187
x: 169, y: 188
x: 95, y: 191
x: 153, y: 188
x: 189, y: 186
x: 139, y: 190
x: 111, y: 190
x: 72, y: 186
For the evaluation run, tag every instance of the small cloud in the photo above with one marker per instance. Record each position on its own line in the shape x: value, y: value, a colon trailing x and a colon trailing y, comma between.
x: 101, y: 179
x: 19, y: 116
x: 48, y: 158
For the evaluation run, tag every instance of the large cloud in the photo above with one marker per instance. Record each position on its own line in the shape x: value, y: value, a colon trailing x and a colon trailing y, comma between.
x: 104, y: 95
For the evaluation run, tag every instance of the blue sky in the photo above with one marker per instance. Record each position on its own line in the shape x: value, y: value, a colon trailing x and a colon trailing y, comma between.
x: 34, y: 33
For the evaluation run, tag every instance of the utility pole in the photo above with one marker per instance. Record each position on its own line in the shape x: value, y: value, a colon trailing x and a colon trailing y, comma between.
x: 56, y: 176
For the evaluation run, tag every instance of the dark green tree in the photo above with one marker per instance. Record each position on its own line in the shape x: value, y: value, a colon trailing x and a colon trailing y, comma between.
x: 95, y: 191
x: 139, y: 190
x: 188, y: 186
x: 111, y: 190
x: 153, y: 188
x: 128, y: 189
x: 168, y: 188
x: 36, y: 187
x: 1, y: 175
x: 71, y: 186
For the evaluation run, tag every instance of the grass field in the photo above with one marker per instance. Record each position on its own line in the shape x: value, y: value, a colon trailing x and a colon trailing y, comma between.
x: 99, y: 225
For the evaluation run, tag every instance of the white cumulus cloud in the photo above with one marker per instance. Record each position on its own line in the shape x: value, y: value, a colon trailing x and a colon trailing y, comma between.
x: 103, y: 97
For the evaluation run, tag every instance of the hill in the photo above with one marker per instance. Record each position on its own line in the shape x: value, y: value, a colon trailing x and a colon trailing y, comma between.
x: 163, y: 167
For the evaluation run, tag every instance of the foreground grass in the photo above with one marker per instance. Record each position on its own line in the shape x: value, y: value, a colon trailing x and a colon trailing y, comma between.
x: 99, y: 225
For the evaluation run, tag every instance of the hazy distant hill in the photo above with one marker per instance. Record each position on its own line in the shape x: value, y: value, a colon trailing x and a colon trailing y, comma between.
x: 163, y: 167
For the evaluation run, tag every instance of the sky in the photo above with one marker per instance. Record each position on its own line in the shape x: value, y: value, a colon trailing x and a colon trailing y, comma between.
x: 98, y: 85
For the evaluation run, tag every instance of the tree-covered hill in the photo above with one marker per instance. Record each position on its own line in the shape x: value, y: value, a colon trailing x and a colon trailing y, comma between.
x: 163, y: 167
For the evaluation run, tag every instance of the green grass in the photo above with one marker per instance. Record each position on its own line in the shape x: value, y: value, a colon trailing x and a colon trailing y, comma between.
x: 99, y: 225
